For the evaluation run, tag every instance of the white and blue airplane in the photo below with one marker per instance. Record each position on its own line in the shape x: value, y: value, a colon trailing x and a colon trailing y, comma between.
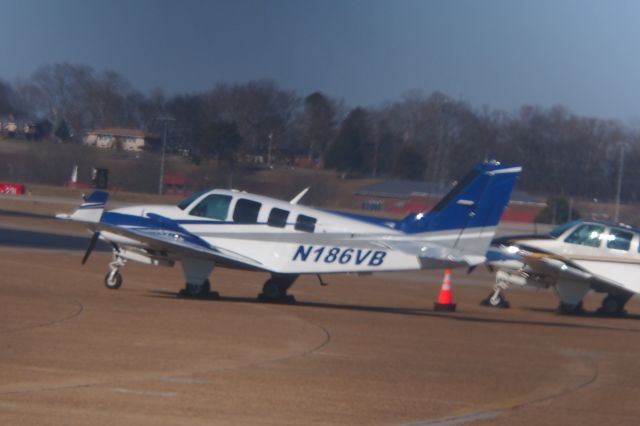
x: 236, y: 229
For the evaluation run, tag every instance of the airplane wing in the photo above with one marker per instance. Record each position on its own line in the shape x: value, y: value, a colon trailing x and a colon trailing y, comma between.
x: 427, y: 252
x: 556, y: 268
x: 177, y: 243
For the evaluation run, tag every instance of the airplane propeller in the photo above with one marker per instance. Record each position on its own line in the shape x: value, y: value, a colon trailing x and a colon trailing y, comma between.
x: 92, y: 244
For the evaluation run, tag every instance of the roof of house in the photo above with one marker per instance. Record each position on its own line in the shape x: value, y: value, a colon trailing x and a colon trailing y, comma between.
x: 120, y: 131
x: 399, y: 188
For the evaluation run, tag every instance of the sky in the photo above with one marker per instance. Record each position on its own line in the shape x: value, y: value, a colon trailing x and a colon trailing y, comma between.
x: 502, y: 54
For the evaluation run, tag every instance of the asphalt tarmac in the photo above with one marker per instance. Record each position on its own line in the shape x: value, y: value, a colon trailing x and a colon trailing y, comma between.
x: 362, y: 350
x: 11, y: 237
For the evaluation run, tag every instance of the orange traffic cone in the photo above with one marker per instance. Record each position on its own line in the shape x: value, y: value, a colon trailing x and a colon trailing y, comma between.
x: 445, y: 298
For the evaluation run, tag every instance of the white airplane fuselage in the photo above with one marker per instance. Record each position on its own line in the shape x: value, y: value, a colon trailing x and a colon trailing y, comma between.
x: 247, y: 231
x: 333, y: 243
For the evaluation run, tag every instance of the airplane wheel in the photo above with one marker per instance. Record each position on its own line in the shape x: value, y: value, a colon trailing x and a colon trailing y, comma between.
x: 565, y: 308
x: 113, y: 280
x: 271, y: 290
x: 611, y: 305
x: 498, y: 301
x: 493, y: 301
x: 194, y: 290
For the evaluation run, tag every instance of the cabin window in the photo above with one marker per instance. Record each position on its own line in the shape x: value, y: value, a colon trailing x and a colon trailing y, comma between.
x: 190, y: 199
x: 215, y: 206
x: 278, y: 218
x: 586, y: 235
x: 561, y: 229
x: 246, y: 211
x: 305, y: 223
x: 619, y: 239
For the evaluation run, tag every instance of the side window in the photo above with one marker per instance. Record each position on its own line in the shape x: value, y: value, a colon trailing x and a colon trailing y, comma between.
x: 278, y: 218
x: 246, y: 211
x: 305, y: 223
x: 586, y: 235
x: 215, y: 206
x: 619, y: 239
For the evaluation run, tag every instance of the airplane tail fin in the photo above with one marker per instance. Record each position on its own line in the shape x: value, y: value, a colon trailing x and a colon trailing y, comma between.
x: 90, y: 210
x: 477, y: 201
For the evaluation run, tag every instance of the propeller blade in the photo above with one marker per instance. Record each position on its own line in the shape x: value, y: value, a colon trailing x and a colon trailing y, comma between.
x: 92, y: 244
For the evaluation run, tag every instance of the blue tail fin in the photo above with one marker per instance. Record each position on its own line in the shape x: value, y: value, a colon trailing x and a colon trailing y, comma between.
x: 478, y: 200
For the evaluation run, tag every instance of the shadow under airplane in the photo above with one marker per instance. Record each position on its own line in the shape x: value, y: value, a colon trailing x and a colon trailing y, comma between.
x: 419, y: 312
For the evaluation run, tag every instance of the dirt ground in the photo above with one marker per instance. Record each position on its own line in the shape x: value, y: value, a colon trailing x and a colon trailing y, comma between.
x: 362, y: 350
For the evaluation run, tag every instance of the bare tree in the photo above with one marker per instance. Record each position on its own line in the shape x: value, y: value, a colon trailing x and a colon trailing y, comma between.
x: 318, y: 121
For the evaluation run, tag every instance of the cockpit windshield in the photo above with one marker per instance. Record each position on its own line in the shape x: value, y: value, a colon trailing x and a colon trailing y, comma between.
x: 190, y: 199
x: 559, y: 230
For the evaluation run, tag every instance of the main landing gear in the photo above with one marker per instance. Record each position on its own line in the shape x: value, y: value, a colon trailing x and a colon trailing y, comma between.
x: 201, y: 291
x: 196, y: 274
x: 570, y: 308
x: 613, y: 304
x: 275, y: 289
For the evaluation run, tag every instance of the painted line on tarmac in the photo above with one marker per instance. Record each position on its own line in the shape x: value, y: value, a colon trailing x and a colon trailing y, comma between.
x: 589, y: 360
x: 332, y: 354
x: 186, y: 380
x: 458, y: 420
x: 144, y: 393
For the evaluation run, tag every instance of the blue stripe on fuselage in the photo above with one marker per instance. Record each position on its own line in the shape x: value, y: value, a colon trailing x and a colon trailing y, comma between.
x: 152, y: 223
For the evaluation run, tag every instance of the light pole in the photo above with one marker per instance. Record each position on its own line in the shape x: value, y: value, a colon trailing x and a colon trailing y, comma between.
x: 619, y: 185
x: 165, y: 119
x: 269, y: 149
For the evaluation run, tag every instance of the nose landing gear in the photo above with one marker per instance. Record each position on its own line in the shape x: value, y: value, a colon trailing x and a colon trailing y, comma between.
x: 113, y: 279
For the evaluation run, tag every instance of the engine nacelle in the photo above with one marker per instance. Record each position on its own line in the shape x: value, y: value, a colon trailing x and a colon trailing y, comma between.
x: 522, y: 279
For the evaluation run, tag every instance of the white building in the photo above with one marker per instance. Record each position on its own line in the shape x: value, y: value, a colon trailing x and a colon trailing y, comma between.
x: 115, y: 137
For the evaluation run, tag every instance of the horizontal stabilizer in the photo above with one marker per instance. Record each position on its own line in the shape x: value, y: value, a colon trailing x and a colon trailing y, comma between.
x: 431, y: 254
x: 90, y: 210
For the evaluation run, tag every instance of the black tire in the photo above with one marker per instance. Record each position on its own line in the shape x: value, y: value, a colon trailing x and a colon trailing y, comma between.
x: 206, y: 288
x: 498, y: 302
x: 271, y: 290
x: 612, y: 305
x: 567, y: 309
x: 192, y: 290
x: 113, y: 281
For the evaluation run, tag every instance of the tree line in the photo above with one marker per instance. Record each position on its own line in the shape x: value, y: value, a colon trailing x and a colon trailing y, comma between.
x: 419, y: 136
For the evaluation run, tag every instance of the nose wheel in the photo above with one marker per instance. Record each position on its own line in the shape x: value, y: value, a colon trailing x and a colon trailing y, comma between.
x: 496, y: 299
x: 113, y: 280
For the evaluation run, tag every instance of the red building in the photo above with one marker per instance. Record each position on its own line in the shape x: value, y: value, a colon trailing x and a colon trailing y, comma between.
x: 402, y: 197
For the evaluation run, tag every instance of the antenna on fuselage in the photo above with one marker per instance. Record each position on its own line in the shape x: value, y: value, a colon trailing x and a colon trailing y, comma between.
x: 298, y: 197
